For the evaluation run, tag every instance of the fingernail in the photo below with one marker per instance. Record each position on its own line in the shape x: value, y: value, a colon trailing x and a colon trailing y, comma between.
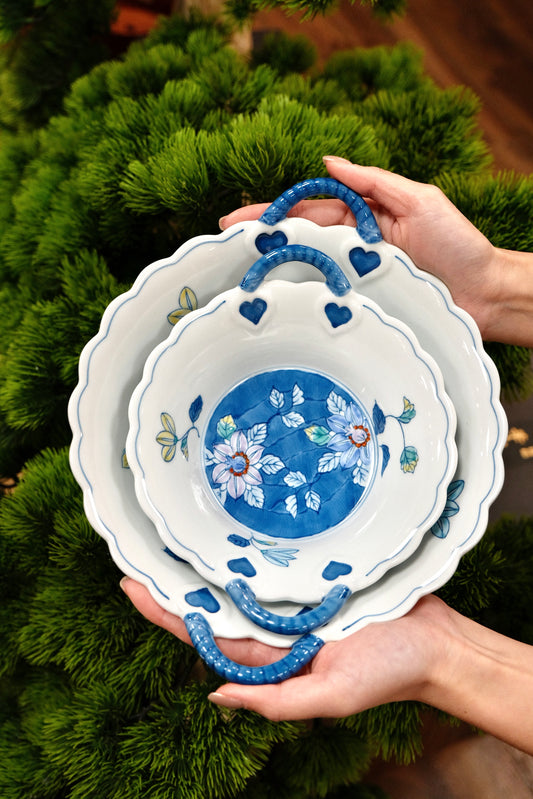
x: 222, y: 222
x: 123, y: 582
x: 225, y: 701
x: 336, y: 159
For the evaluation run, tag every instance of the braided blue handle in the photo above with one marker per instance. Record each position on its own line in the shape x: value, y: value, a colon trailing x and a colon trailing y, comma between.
x: 336, y: 280
x: 244, y: 598
x: 203, y: 640
x: 366, y: 222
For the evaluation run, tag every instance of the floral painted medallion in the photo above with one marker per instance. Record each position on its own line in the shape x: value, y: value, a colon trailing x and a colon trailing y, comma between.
x: 290, y: 453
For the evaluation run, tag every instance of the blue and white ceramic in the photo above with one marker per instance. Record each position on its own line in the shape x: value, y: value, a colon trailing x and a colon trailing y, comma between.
x: 111, y: 365
x: 292, y: 435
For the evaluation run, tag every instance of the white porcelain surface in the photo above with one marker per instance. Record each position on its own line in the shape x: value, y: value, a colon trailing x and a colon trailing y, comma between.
x: 342, y: 432
x: 111, y: 366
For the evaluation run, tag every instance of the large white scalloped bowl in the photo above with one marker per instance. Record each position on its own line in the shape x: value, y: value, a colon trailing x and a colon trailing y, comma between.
x: 111, y: 367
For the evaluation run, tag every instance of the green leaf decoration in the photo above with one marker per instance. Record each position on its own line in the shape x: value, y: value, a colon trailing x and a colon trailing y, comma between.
x: 409, y: 412
x: 125, y: 464
x: 409, y: 459
x: 184, y: 446
x: 226, y: 427
x: 317, y: 434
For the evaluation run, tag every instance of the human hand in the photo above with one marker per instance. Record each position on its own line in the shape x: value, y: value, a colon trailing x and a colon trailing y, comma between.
x: 419, y: 219
x: 384, y: 662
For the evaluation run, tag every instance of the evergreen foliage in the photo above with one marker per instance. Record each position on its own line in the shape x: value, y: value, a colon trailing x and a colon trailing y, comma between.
x: 46, y: 44
x: 149, y: 150
x: 241, y: 10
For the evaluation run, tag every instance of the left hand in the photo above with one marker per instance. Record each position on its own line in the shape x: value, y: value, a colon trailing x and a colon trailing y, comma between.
x: 384, y: 662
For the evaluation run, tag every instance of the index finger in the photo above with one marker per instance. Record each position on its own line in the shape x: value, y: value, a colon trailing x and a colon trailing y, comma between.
x: 322, y: 212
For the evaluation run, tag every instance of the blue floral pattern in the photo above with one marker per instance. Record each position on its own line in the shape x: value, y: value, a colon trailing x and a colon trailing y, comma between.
x: 265, y: 458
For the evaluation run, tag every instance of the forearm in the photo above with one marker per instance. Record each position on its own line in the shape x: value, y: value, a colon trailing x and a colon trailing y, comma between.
x: 484, y: 679
x: 509, y: 309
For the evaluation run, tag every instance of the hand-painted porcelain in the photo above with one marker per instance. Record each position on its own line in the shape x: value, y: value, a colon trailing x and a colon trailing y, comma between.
x: 111, y: 366
x: 316, y: 449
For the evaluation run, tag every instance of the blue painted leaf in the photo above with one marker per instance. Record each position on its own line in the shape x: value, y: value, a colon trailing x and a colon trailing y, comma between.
x: 276, y: 398
x: 291, y: 505
x: 455, y: 489
x: 270, y: 464
x: 409, y: 459
x: 360, y: 474
x: 378, y: 417
x: 451, y: 508
x: 293, y: 419
x: 238, y: 540
x: 279, y: 557
x: 408, y: 413
x: 317, y: 434
x: 312, y: 501
x: 385, y: 455
x: 297, y: 395
x: 295, y: 479
x: 196, y: 409
x: 441, y: 528
x: 335, y: 403
x: 328, y: 462
x: 254, y: 496
x: 257, y: 433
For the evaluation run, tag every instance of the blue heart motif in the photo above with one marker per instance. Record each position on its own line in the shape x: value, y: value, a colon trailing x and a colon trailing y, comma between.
x: 242, y: 566
x: 203, y: 598
x: 270, y: 241
x: 337, y: 315
x: 336, y: 569
x: 253, y: 311
x: 364, y: 262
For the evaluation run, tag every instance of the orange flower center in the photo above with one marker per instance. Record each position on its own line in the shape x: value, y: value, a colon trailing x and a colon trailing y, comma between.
x: 242, y: 464
x: 360, y: 437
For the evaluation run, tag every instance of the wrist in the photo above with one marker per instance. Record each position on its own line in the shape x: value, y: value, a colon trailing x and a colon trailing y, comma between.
x: 508, y: 298
x: 482, y: 678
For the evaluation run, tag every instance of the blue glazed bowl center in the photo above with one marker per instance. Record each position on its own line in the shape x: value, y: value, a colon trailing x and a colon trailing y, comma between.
x: 290, y: 453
